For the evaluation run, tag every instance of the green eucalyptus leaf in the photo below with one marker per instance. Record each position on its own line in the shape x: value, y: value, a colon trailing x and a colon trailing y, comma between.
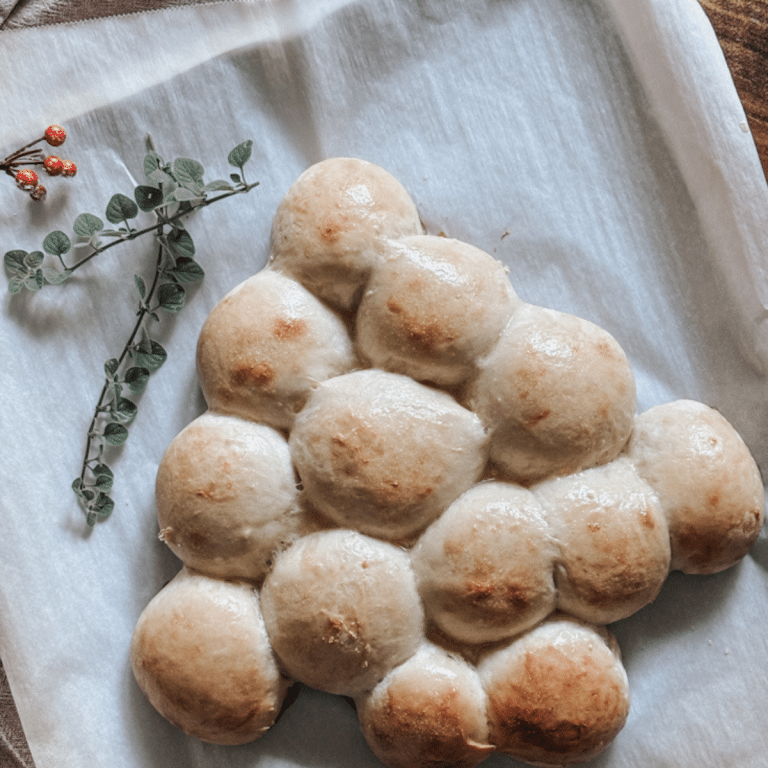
x: 236, y: 178
x: 115, y: 434
x: 86, y: 224
x: 241, y: 154
x: 124, y: 410
x: 34, y: 260
x: 188, y: 173
x: 152, y: 161
x: 104, y: 506
x: 102, y: 469
x: 15, y: 284
x: 185, y: 194
x: 140, y: 286
x: 171, y: 297
x: 151, y: 358
x: 57, y: 243
x: 104, y: 483
x: 148, y: 198
x: 54, y: 277
x: 181, y: 243
x: 219, y: 185
x: 159, y: 176
x: 121, y: 208
x: 136, y: 378
x: 111, y: 366
x: 14, y: 263
x: 188, y: 270
x: 77, y: 486
x: 35, y: 282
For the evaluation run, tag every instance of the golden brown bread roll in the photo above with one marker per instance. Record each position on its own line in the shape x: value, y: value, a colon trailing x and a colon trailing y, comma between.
x: 614, y: 541
x: 708, y: 483
x: 341, y: 610
x: 432, y: 308
x: 378, y: 452
x: 430, y: 711
x: 558, y: 694
x: 332, y: 224
x: 557, y: 394
x: 484, y: 568
x: 201, y: 655
x: 226, y: 496
x: 265, y: 345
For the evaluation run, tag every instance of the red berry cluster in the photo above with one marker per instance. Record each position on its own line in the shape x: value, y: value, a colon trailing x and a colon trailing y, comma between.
x: 26, y: 179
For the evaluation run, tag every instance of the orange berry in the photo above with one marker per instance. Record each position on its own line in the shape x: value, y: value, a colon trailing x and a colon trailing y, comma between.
x: 38, y: 193
x: 68, y: 168
x: 53, y: 165
x: 55, y: 135
x: 26, y: 179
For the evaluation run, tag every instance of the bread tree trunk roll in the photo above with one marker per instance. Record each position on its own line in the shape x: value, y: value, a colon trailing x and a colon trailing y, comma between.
x: 484, y: 568
x: 558, y: 694
x: 201, y: 655
x: 708, y: 483
x: 381, y: 453
x: 614, y: 541
x: 341, y: 610
x: 265, y: 345
x: 430, y: 711
x: 226, y: 496
x: 432, y: 308
x: 331, y: 226
x: 557, y: 394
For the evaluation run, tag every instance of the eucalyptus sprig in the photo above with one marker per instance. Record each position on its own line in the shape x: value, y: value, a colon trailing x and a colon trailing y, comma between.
x: 174, y: 191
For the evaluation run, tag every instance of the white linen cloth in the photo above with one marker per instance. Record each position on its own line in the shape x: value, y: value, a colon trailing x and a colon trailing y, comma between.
x: 598, y: 148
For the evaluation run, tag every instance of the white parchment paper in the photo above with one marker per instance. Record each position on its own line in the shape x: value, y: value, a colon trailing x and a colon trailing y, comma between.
x: 597, y: 147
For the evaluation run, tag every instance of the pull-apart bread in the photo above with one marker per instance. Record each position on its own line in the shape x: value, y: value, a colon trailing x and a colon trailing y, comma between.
x: 414, y: 489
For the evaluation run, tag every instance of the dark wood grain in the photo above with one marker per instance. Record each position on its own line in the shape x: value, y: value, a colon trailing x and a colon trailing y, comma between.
x: 742, y: 29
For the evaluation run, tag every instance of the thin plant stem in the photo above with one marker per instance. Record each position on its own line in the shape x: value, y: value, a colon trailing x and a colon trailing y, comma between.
x: 169, y: 220
x: 142, y: 313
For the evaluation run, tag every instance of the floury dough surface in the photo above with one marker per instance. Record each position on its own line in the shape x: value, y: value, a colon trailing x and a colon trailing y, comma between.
x: 333, y: 224
x: 565, y: 681
x: 201, y: 655
x: 381, y: 453
x: 264, y: 347
x: 341, y: 610
x: 433, y: 307
x: 226, y: 496
x: 557, y: 394
x: 485, y: 566
x: 708, y: 483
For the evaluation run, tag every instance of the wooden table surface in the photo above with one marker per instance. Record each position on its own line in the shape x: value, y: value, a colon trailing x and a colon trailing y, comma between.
x: 742, y: 29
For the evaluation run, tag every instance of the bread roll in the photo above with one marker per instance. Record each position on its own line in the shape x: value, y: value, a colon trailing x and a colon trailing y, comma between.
x: 708, y: 483
x: 484, y: 568
x: 201, y: 656
x: 614, y: 541
x: 265, y: 345
x: 331, y: 226
x: 385, y: 455
x: 429, y: 711
x: 226, y: 496
x: 341, y: 610
x: 558, y: 694
x: 557, y: 393
x: 432, y: 308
